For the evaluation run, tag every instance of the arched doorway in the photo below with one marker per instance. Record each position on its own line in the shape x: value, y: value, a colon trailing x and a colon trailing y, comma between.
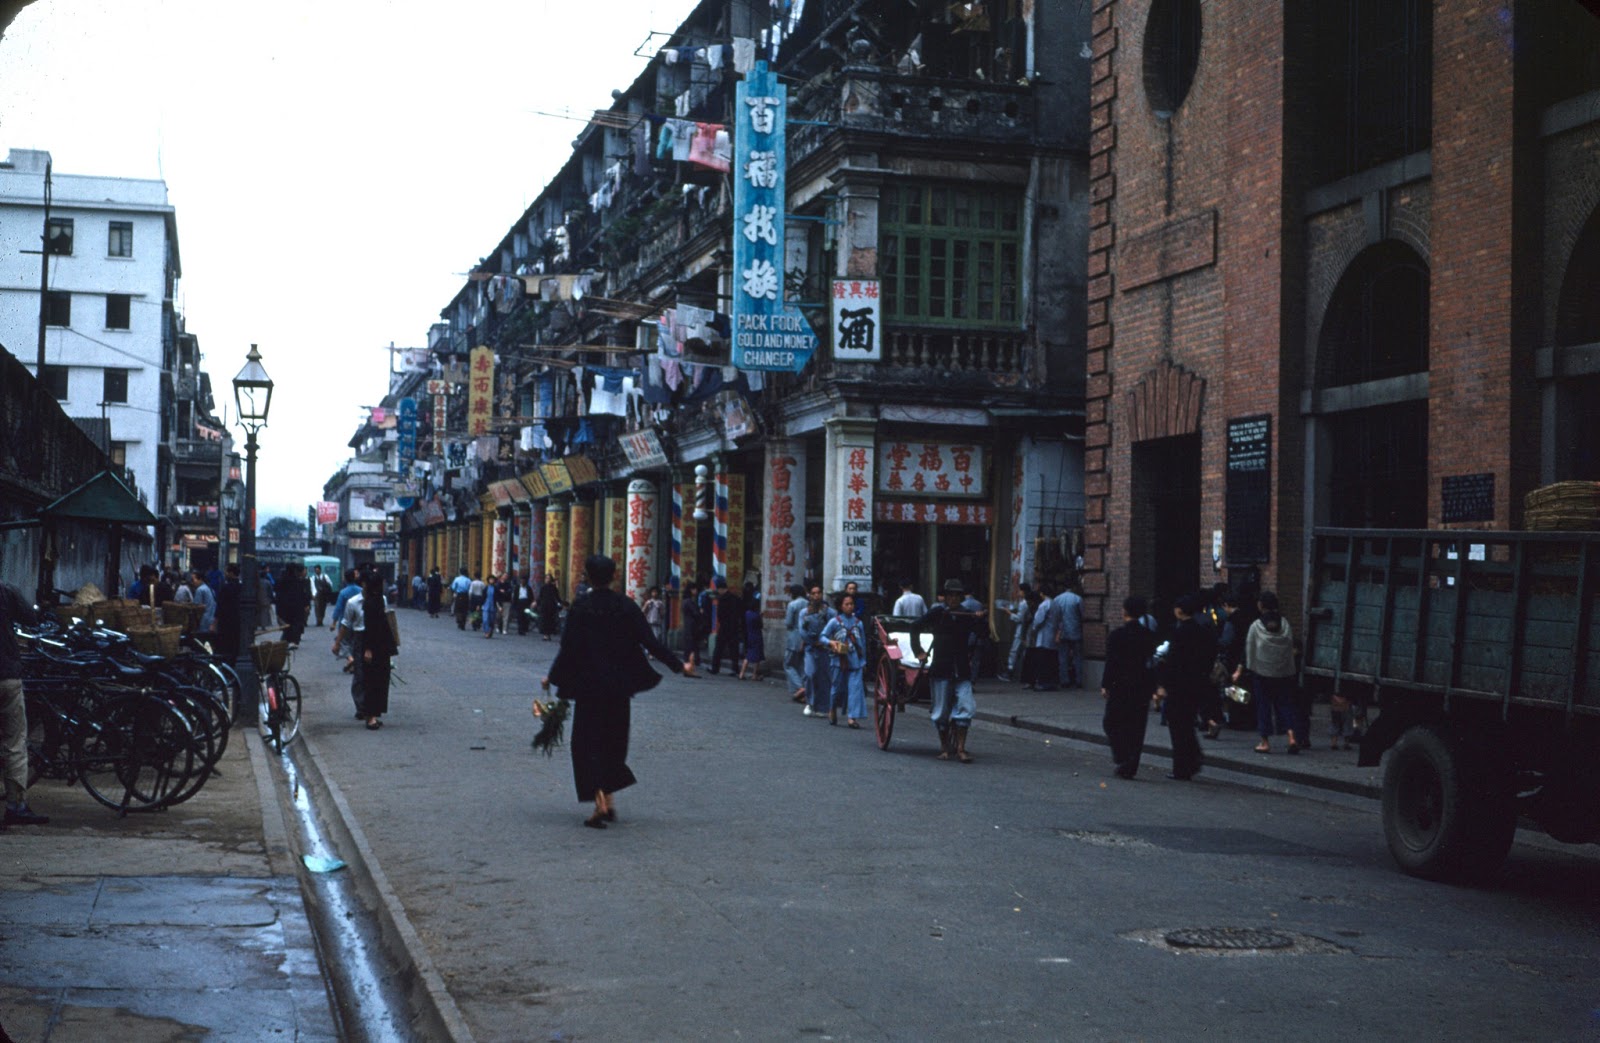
x: 1572, y: 420
x: 1370, y: 425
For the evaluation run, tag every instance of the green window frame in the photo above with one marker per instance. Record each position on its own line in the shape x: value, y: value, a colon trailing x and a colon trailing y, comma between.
x: 951, y: 254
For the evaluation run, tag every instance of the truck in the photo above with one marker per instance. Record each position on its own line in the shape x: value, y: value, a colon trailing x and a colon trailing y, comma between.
x: 1481, y: 652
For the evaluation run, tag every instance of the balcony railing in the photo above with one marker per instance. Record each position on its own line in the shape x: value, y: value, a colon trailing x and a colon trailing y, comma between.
x: 883, y: 102
x: 995, y: 353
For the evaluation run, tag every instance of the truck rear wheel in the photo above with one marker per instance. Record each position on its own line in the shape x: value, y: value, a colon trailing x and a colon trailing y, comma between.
x: 1445, y: 814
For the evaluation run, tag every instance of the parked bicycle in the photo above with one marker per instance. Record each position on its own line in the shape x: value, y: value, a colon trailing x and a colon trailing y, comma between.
x: 279, y: 706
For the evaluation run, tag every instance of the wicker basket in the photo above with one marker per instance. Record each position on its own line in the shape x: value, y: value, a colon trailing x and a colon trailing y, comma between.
x: 88, y: 594
x: 67, y: 613
x: 162, y: 641
x: 116, y: 614
x: 271, y: 656
x: 183, y: 614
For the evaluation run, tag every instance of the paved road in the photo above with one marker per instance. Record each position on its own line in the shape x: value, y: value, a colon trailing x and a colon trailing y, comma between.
x: 775, y: 878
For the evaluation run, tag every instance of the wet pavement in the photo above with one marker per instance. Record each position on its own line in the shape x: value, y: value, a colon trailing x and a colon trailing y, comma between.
x: 187, y: 924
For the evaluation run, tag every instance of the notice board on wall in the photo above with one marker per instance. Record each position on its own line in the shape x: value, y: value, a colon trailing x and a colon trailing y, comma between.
x: 1249, y: 490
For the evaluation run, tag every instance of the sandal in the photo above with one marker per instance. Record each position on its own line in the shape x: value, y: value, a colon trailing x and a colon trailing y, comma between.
x: 373, y: 724
x: 1263, y: 748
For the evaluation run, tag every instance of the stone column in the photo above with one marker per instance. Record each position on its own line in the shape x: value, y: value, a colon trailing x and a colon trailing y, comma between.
x: 580, y: 541
x: 555, y: 545
x: 848, y: 501
x: 642, y: 512
x: 783, y: 539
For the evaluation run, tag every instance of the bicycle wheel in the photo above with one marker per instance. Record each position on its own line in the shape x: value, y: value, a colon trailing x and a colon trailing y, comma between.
x: 280, y: 714
x: 136, y: 754
x: 209, y: 731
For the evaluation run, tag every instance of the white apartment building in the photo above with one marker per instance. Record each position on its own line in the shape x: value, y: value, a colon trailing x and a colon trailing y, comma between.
x: 110, y: 327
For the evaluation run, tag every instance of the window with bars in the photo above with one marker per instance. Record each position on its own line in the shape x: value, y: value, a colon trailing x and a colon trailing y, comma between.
x: 119, y: 239
x: 951, y: 255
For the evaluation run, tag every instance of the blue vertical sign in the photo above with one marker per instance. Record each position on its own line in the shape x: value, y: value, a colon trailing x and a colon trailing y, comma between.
x: 407, y: 435
x: 767, y: 333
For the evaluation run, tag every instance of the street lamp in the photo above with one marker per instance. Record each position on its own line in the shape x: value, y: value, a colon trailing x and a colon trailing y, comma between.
x: 252, y: 393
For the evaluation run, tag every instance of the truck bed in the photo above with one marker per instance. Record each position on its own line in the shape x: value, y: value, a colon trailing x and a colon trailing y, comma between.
x: 1504, y: 616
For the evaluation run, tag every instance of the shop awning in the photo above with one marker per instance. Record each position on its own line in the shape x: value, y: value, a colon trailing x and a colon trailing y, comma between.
x: 103, y: 498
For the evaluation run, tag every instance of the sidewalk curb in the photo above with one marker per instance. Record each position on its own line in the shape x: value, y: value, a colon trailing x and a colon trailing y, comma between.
x: 435, y: 1014
x: 1243, y: 767
x: 274, y: 823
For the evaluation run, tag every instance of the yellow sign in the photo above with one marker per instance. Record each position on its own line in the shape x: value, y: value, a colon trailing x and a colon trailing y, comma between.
x: 480, y: 390
x: 534, y: 482
x: 556, y: 477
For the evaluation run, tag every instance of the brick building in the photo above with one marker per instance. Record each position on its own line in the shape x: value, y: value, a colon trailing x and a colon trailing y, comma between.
x: 1342, y: 270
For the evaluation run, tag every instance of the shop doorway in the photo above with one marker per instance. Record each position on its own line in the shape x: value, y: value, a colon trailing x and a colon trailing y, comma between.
x: 930, y: 554
x: 1164, y: 552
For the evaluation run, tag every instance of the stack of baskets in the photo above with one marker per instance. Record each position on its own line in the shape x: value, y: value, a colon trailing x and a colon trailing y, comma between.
x: 271, y: 656
x: 186, y: 615
x: 156, y: 640
x: 1564, y: 507
x: 118, y: 613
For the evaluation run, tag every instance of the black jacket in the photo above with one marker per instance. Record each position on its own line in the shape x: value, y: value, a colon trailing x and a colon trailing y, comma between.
x: 1128, y: 652
x: 602, y: 650
x: 14, y: 608
x: 1191, y: 649
x: 953, y: 633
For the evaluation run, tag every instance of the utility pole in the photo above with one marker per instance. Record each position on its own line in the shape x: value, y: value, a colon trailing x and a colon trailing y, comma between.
x: 44, y: 268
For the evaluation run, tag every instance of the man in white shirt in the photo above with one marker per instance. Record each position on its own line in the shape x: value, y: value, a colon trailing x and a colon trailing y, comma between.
x: 349, y: 627
x: 909, y: 604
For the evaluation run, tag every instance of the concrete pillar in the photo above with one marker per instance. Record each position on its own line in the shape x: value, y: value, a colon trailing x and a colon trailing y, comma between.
x: 850, y: 446
x: 580, y: 542
x: 642, y: 512
x: 555, y: 547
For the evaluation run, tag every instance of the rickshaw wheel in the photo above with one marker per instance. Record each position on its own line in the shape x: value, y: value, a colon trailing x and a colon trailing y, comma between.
x: 883, y: 703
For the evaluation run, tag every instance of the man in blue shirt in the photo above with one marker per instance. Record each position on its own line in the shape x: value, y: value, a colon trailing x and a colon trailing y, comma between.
x: 1069, y: 637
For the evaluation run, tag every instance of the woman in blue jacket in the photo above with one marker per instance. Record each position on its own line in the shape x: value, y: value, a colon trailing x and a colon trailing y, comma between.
x: 846, y: 631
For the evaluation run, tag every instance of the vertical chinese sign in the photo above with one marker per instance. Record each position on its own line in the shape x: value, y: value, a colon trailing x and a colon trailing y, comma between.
x: 641, y: 560
x: 617, y: 529
x: 440, y: 390
x: 856, y: 336
x: 480, y: 391
x: 406, y: 433
x: 555, y: 542
x: 580, y: 540
x: 855, y: 550
x: 768, y: 334
x: 786, y: 517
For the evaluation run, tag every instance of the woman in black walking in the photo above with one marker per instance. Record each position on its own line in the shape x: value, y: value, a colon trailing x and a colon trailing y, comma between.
x: 378, y: 647
x: 600, y: 666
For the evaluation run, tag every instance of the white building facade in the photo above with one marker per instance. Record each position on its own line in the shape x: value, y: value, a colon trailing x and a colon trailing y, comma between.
x: 110, y: 325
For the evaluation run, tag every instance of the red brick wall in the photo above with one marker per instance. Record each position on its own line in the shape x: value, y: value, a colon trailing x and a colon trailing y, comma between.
x: 1476, y: 384
x: 1192, y: 238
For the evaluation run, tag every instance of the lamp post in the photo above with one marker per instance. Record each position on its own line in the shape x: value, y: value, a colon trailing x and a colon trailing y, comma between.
x: 252, y: 393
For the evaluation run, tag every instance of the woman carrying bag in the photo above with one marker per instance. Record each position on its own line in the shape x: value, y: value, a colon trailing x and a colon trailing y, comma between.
x: 846, y: 639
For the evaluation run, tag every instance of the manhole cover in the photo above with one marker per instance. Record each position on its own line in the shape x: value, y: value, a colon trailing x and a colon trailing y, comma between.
x: 1227, y: 938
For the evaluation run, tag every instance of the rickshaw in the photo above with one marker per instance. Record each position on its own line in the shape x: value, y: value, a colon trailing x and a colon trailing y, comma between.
x: 901, y: 672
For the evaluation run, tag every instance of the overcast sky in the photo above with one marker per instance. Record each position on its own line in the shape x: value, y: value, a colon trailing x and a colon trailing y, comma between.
x: 336, y: 166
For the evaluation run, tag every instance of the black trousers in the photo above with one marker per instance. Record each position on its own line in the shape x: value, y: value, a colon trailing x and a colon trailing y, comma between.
x: 600, y: 723
x: 460, y: 608
x: 1126, y: 717
x: 1181, y: 708
x: 727, y: 644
